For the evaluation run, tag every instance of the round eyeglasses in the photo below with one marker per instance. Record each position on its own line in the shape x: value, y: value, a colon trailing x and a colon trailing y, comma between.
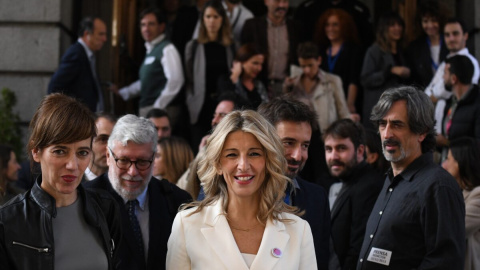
x: 125, y: 163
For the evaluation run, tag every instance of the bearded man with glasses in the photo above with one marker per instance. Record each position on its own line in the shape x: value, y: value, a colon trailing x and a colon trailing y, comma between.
x: 147, y: 205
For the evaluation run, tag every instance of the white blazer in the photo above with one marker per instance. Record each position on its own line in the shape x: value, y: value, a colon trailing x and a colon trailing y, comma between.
x: 205, y: 241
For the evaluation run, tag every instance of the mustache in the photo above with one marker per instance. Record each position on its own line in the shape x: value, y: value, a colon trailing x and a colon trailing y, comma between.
x: 293, y: 162
x: 336, y: 163
x: 130, y: 178
x: 281, y: 9
x: 390, y: 142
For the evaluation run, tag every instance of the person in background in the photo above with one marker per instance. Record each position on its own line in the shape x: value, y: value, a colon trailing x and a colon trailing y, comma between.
x: 243, y: 222
x: 9, y: 168
x: 161, y: 73
x: 384, y: 65
x: 336, y: 36
x: 98, y: 166
x: 278, y: 37
x: 352, y: 199
x: 76, y: 75
x: 237, y: 14
x: 58, y: 224
x: 462, y: 164
x: 425, y: 53
x: 246, y: 67
x: 373, y: 151
x: 172, y: 159
x: 207, y: 60
x: 147, y: 205
x: 321, y: 90
x: 161, y: 121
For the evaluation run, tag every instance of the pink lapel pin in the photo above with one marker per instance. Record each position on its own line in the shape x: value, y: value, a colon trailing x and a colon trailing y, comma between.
x: 276, y: 252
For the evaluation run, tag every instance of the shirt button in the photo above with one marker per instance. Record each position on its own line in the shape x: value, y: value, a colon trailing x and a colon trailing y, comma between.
x: 361, y: 260
x: 371, y: 235
x: 390, y: 189
x: 381, y: 212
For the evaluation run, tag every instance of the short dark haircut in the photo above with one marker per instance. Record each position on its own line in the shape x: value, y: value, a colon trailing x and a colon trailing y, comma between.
x: 420, y: 112
x: 86, y: 24
x: 466, y: 151
x: 462, y: 67
x: 232, y: 97
x: 462, y: 23
x: 155, y: 11
x: 346, y: 129
x: 157, y: 113
x: 308, y: 50
x: 288, y: 109
x: 109, y: 116
x: 247, y: 51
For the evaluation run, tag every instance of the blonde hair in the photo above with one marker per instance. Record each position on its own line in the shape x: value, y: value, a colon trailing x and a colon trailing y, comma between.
x: 177, y: 155
x: 272, y: 190
x: 225, y: 31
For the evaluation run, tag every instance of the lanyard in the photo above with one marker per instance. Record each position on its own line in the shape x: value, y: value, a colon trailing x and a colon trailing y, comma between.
x: 434, y: 65
x: 333, y: 60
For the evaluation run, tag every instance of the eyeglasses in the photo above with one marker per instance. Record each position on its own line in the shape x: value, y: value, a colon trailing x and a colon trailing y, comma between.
x: 124, y: 163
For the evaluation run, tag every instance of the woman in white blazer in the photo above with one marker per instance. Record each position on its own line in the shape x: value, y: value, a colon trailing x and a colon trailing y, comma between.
x: 462, y: 164
x: 243, y: 222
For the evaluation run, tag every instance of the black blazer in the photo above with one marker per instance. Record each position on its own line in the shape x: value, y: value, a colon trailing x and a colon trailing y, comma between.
x: 164, y: 199
x: 420, y: 63
x: 313, y: 199
x: 351, y: 210
x: 74, y: 77
x: 466, y: 118
x: 255, y: 31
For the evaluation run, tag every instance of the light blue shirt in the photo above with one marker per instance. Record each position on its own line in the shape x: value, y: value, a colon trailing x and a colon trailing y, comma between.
x: 142, y: 212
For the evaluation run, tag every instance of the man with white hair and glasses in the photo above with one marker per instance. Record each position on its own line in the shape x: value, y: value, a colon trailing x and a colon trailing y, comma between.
x: 147, y: 205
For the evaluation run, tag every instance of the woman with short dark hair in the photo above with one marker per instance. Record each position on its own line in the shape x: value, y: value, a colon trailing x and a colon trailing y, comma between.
x: 57, y: 223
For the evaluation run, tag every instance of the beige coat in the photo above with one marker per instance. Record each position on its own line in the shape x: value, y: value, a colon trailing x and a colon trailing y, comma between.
x: 472, y: 228
x: 327, y: 99
x: 205, y: 241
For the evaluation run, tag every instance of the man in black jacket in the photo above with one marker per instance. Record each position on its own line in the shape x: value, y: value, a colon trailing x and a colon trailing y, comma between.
x: 147, y: 205
x: 462, y: 111
x: 351, y: 200
x: 294, y: 122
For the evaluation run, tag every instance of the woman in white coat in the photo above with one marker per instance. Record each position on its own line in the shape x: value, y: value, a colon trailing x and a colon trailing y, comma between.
x: 243, y: 222
x: 462, y: 164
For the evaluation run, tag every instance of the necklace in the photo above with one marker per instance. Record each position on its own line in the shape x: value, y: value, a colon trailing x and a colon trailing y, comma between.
x: 240, y: 229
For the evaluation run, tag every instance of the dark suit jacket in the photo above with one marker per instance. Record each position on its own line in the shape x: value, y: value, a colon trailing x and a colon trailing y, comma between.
x: 420, y: 62
x: 466, y: 118
x: 255, y: 31
x: 351, y: 210
x: 163, y: 201
x: 74, y: 77
x: 313, y: 199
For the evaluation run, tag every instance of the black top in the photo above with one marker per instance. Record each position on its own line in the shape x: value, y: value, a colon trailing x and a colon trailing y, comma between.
x: 418, y: 221
x: 347, y: 66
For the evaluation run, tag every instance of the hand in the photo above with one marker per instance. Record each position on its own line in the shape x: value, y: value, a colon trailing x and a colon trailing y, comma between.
x: 114, y: 88
x: 203, y: 142
x: 236, y: 71
x: 355, y: 117
x: 434, y: 99
x: 400, y: 71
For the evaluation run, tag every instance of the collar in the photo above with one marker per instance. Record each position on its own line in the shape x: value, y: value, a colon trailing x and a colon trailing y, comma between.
x: 271, y: 24
x: 89, y: 174
x: 295, y: 183
x: 413, y: 168
x: 465, y: 95
x: 463, y: 51
x: 142, y: 198
x: 150, y: 45
x: 87, y: 50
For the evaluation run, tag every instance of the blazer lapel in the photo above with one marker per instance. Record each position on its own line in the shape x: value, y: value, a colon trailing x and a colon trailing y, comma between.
x: 274, y: 236
x: 220, y: 238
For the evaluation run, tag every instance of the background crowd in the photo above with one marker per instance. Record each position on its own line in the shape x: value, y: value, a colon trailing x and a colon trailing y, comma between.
x: 279, y: 125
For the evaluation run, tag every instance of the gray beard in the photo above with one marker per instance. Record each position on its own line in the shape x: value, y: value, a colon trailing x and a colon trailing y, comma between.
x: 125, y: 194
x: 389, y: 157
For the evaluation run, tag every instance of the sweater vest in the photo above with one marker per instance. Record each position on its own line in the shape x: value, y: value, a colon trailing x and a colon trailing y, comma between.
x: 152, y: 76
